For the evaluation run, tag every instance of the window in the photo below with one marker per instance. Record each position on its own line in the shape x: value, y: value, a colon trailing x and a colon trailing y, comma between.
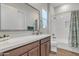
x: 44, y: 18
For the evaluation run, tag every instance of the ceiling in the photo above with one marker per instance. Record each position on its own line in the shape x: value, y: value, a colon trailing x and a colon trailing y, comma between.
x: 57, y: 4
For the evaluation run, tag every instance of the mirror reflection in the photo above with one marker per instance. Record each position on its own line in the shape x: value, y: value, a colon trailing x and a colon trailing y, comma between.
x: 19, y: 16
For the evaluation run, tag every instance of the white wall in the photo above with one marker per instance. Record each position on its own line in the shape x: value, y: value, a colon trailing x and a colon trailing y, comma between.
x: 41, y: 6
x: 51, y: 19
x: 67, y: 8
x: 62, y: 27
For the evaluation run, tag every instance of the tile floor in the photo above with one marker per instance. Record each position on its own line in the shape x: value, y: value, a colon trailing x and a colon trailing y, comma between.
x: 53, y: 54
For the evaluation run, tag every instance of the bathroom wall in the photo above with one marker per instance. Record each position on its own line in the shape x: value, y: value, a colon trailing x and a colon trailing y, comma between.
x: 62, y: 27
x: 51, y: 21
x: 41, y: 6
x: 67, y: 8
x: 63, y: 15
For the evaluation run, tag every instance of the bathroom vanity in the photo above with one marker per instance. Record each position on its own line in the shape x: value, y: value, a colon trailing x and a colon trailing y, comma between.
x: 29, y: 46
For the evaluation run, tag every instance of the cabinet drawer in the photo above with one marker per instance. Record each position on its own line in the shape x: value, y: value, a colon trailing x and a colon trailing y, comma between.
x: 45, y: 40
x: 45, y: 48
x: 21, y: 50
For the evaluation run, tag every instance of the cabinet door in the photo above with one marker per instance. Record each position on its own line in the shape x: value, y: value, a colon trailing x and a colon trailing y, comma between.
x: 45, y: 49
x: 34, y: 52
x: 1, y: 54
x: 48, y: 48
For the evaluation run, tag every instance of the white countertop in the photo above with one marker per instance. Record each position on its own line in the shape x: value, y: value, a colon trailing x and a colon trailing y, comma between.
x: 19, y: 41
x: 67, y: 47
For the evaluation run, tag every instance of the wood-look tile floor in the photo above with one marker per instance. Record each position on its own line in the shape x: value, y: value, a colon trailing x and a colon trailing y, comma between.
x: 52, y: 54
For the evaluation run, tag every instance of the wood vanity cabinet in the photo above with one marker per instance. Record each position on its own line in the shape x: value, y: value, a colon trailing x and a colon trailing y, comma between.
x: 26, y: 54
x: 25, y: 50
x: 37, y: 48
x: 45, y: 47
x: 33, y: 52
x: 63, y: 52
x: 1, y: 54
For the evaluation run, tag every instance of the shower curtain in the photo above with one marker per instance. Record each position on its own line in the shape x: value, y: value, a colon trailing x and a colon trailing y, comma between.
x: 74, y: 29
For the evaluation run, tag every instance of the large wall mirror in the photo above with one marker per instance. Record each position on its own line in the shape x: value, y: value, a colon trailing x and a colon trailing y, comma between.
x: 19, y: 16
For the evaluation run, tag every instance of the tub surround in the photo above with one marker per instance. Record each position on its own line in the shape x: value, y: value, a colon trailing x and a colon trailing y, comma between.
x: 67, y: 47
x: 19, y: 41
x: 64, y: 49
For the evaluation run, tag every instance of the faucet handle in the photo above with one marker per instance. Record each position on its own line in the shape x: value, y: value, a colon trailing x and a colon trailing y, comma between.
x: 5, y: 35
x: 54, y: 37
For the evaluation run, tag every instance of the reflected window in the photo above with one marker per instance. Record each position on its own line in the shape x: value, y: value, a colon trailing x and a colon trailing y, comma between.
x: 44, y: 18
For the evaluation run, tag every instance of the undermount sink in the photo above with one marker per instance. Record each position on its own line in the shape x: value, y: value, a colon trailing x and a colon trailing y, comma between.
x: 4, y: 39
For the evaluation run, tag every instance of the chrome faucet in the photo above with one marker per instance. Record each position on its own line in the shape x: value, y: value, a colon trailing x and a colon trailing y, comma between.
x: 3, y: 36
